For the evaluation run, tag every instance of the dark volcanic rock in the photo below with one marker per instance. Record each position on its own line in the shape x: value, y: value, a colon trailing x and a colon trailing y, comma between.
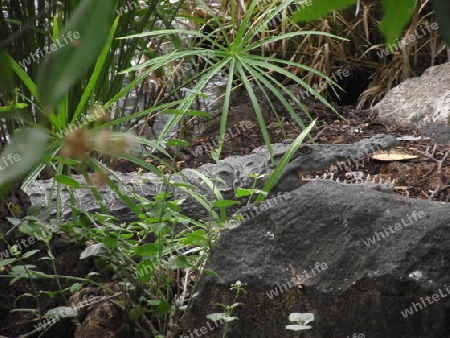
x: 365, y: 287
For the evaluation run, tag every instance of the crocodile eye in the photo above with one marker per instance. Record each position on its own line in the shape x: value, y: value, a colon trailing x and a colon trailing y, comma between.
x: 304, y: 150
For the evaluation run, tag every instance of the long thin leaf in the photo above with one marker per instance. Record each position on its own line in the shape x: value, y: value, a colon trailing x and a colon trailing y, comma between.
x: 189, y: 99
x: 257, y: 108
x: 26, y: 149
x: 264, y: 78
x: 285, y: 103
x: 284, y: 161
x: 211, y: 185
x: 262, y: 62
x: 95, y: 74
x: 226, y: 104
x: 27, y: 81
x: 243, y: 27
x: 89, y: 25
x: 262, y: 21
x: 286, y: 36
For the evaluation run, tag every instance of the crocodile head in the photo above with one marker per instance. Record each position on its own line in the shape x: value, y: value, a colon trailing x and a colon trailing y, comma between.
x: 310, y: 159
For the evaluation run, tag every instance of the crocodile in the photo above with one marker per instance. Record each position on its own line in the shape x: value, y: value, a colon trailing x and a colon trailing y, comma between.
x: 227, y: 175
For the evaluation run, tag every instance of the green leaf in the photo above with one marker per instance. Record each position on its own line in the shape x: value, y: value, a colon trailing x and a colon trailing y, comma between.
x: 62, y: 160
x: 144, y: 270
x: 162, y: 308
x: 220, y: 316
x: 87, y: 93
x: 196, y: 238
x: 224, y: 203
x: 15, y: 221
x: 7, y: 261
x: 110, y: 241
x: 179, y: 262
x: 397, y: 13
x: 26, y: 149
x: 177, y: 143
x: 23, y: 76
x: 29, y: 253
x: 210, y: 272
x: 62, y: 312
x: 75, y: 287
x: 150, y: 249
x: 134, y: 315
x: 317, y: 9
x: 285, y: 160
x: 240, y: 192
x: 30, y: 229
x: 25, y: 271
x: 12, y: 108
x: 75, y: 51
x: 93, y: 250
x: 182, y: 185
x: 69, y: 181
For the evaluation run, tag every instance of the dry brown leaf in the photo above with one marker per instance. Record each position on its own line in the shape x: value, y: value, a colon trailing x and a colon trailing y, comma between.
x: 392, y: 155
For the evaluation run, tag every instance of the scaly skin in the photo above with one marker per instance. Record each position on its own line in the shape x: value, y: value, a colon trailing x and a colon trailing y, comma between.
x: 309, y: 159
x: 229, y: 174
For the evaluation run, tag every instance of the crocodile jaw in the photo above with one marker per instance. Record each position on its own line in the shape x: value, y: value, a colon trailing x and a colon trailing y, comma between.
x: 311, y: 159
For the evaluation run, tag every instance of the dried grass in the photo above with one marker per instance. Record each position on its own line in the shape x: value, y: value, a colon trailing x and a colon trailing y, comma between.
x: 359, y: 55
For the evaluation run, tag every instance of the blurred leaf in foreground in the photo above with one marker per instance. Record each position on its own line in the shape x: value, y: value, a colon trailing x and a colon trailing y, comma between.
x: 26, y: 149
x: 74, y: 51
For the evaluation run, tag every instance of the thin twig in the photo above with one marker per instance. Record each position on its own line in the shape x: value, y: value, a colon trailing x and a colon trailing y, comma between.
x: 439, y: 177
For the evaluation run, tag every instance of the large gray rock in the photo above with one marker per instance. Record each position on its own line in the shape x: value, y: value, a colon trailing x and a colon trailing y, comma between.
x: 423, y: 102
x: 362, y: 257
